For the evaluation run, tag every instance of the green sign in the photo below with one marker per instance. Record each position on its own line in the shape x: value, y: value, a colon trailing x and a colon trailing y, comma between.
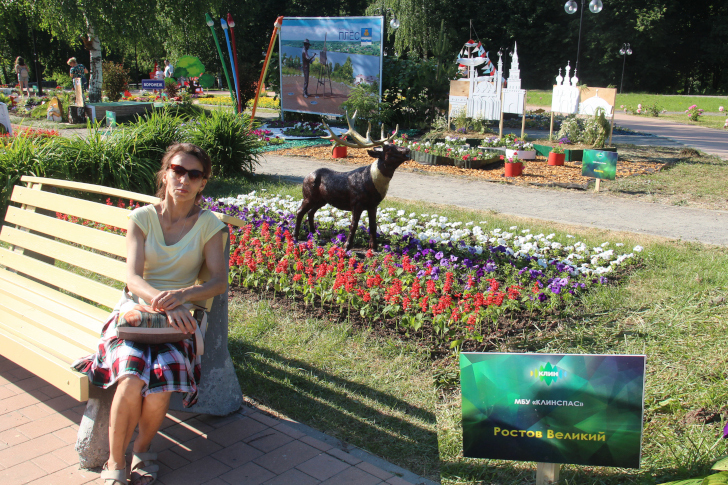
x: 111, y: 119
x: 599, y: 164
x: 553, y: 408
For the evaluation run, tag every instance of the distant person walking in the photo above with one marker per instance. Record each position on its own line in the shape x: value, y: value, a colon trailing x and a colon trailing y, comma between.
x: 78, y: 71
x: 306, y: 61
x: 23, y: 75
x: 168, y: 69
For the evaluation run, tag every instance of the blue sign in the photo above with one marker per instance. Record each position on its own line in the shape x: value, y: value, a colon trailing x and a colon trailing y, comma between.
x: 152, y: 83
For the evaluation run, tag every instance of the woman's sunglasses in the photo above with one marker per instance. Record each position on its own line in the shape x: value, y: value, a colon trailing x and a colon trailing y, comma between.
x: 180, y: 171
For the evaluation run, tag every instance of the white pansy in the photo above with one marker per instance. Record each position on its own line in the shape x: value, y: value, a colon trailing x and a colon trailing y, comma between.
x: 638, y: 248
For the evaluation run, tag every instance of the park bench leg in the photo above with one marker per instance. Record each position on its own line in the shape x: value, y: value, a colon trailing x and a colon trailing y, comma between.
x: 92, y: 442
x: 219, y: 391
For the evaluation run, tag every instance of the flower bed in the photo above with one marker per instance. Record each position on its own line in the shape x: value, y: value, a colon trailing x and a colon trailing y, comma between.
x: 444, y: 283
x: 303, y: 128
x: 27, y: 132
x: 451, y: 151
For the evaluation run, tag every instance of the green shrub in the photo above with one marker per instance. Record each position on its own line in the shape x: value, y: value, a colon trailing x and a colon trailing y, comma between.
x: 115, y: 80
x: 62, y: 79
x: 364, y: 100
x: 226, y: 138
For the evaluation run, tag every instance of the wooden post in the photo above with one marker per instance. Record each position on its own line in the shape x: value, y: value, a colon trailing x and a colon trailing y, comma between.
x: 596, y: 186
x: 500, y: 126
x: 612, y: 127
x: 523, y: 123
x: 551, y: 128
x: 547, y: 473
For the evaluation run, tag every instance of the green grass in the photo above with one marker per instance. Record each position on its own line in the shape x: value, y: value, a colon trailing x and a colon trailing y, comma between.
x: 670, y: 103
x: 706, y: 121
x: 358, y: 388
x: 693, y: 182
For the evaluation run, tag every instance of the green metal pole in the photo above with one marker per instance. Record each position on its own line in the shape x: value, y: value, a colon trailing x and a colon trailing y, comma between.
x: 211, y: 24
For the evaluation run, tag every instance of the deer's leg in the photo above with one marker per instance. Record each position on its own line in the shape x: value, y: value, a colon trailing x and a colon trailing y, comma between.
x: 299, y: 217
x: 311, y: 213
x: 373, y: 228
x: 355, y: 216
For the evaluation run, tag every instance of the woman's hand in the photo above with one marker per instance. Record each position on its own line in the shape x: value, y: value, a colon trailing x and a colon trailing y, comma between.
x: 167, y: 300
x: 181, y: 319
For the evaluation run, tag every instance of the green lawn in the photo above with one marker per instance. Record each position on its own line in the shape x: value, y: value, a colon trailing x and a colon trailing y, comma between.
x: 690, y: 181
x: 670, y: 103
x: 375, y: 393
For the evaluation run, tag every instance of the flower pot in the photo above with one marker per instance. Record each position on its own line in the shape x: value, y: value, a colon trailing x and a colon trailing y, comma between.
x: 338, y: 152
x: 514, y: 169
x: 556, y: 158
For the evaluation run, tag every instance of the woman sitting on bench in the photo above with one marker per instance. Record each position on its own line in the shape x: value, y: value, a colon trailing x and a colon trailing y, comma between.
x: 166, y: 245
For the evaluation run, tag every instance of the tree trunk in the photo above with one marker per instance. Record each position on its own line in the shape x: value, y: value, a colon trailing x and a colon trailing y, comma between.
x: 96, y: 80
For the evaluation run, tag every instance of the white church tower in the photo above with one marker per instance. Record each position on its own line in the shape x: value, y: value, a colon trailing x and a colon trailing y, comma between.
x: 513, y: 95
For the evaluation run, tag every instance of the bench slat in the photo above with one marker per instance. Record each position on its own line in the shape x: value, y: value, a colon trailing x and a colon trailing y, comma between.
x: 65, y: 324
x: 93, y: 211
x: 97, y: 263
x: 96, y: 189
x: 77, y: 233
x: 45, y: 365
x: 25, y: 327
x: 52, y: 310
x: 71, y: 282
x: 55, y: 300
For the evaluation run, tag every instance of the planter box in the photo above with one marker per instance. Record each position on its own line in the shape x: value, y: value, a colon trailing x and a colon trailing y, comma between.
x: 522, y: 154
x: 571, y: 155
x: 473, y: 142
x: 423, y: 158
x: 447, y: 161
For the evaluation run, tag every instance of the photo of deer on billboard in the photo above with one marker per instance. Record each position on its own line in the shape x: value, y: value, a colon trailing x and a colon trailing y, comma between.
x: 322, y: 59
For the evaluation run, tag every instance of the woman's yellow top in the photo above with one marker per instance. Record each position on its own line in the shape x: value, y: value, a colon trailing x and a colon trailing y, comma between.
x: 176, y: 266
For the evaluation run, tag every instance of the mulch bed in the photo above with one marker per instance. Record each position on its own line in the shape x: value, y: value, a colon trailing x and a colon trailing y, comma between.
x: 538, y: 172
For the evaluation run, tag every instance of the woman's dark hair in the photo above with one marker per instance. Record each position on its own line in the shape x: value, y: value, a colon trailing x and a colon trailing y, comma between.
x: 182, y: 148
x: 20, y: 61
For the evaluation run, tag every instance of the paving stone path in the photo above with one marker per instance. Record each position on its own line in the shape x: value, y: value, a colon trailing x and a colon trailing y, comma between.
x: 570, y: 207
x: 38, y: 425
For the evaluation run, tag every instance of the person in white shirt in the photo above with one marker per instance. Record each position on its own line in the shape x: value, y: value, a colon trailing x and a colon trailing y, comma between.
x: 168, y: 69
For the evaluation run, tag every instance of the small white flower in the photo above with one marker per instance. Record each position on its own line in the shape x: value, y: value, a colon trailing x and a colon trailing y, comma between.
x: 638, y: 248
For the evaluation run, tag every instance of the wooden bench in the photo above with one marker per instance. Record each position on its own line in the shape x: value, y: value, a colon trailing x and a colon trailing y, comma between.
x: 58, y: 280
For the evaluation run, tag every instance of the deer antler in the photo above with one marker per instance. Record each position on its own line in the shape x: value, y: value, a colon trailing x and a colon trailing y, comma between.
x: 359, y: 141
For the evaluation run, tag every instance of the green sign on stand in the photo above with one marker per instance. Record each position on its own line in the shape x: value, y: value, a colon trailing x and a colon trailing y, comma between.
x: 553, y: 408
x: 111, y: 119
x: 599, y: 164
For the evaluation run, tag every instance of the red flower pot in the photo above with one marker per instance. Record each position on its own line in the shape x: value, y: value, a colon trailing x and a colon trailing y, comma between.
x: 556, y: 158
x: 514, y: 169
x: 339, y: 152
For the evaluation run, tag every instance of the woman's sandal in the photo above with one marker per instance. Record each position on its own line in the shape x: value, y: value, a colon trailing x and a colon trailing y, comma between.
x: 112, y: 477
x: 143, y: 466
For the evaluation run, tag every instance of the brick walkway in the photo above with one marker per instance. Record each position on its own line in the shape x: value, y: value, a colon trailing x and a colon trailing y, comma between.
x: 38, y: 425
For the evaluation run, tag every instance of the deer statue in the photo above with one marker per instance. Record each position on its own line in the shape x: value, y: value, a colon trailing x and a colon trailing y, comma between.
x: 362, y: 189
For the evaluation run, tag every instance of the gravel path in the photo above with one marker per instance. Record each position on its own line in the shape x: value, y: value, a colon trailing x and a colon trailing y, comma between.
x: 578, y: 208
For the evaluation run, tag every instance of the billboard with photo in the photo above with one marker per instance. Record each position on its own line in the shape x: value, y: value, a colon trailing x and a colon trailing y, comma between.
x: 322, y: 59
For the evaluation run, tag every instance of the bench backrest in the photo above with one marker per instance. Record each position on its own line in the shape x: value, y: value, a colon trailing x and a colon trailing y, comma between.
x: 72, y: 243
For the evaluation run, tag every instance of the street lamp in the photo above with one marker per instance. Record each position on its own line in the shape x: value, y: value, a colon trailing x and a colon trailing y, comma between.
x: 595, y: 6
x: 625, y: 51
x: 210, y: 23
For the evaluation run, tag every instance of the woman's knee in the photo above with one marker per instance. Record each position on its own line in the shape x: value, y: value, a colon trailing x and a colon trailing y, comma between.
x: 130, y: 385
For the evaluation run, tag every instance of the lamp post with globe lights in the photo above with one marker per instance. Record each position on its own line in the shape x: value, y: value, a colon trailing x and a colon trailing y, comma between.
x: 625, y: 51
x: 595, y: 6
